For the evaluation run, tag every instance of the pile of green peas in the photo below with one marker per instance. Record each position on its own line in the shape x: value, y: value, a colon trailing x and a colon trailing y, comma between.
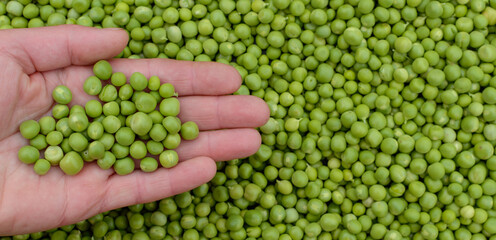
x: 383, y: 116
x: 135, y: 120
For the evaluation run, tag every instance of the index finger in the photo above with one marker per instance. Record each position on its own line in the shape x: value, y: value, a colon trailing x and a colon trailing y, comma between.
x: 188, y: 78
x: 49, y: 48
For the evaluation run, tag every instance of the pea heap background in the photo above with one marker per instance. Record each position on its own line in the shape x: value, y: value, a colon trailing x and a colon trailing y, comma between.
x: 382, y: 116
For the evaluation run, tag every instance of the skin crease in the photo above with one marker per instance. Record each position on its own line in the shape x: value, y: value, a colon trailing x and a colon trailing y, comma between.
x: 34, y: 61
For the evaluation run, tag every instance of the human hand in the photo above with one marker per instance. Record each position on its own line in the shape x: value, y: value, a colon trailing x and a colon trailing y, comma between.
x: 34, y: 61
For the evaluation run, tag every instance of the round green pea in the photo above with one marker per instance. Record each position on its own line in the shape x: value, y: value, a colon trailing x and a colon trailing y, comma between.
x: 96, y: 150
x: 141, y: 123
x: 168, y: 158
x: 71, y: 163
x: 54, y: 138
x: 124, y: 166
x: 41, y: 167
x: 62, y: 94
x: 111, y: 124
x: 138, y: 81
x: 172, y: 124
x: 189, y: 130
x: 145, y: 102
x: 93, y: 108
x: 169, y: 107
x: 78, y: 121
x: 78, y: 142
x: 60, y: 111
x: 148, y: 164
x: 102, y: 69
x: 118, y: 79
x: 108, y: 93
x: 28, y: 154
x: 166, y: 90
x: 92, y: 86
x: 29, y: 129
x: 353, y: 36
x: 107, y: 161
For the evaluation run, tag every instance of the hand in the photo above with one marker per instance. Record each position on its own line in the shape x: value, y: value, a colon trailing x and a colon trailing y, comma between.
x: 34, y: 61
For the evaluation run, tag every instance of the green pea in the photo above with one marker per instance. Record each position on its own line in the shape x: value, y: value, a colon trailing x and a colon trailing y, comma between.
x: 270, y: 233
x: 124, y: 166
x: 107, y: 161
x: 54, y: 138
x: 125, y: 136
x: 234, y: 222
x: 102, y: 69
x: 138, y: 150
x: 29, y: 129
x: 158, y: 132
x: 168, y: 158
x: 120, y: 18
x: 111, y: 124
x: 93, y: 108
x: 423, y: 145
x: 78, y: 142
x: 145, y: 102
x: 487, y: 53
x: 71, y: 163
x: 141, y: 123
x: 172, y: 141
x: 253, y: 218
x: 60, y: 111
x: 118, y: 79
x: 47, y: 124
x: 28, y: 154
x: 488, y: 95
x: 100, y: 228
x: 189, y: 130
x: 39, y: 142
x: 92, y: 86
x: 156, y: 117
x: 138, y: 81
x: 166, y: 90
x: 96, y: 150
x: 41, y: 167
x: 389, y: 146
x: 108, y: 93
x: 148, y: 164
x: 62, y: 94
x: 402, y: 44
x: 126, y: 92
x: 154, y: 148
x: 483, y: 150
x: 470, y: 124
x: 154, y: 81
x: 169, y: 107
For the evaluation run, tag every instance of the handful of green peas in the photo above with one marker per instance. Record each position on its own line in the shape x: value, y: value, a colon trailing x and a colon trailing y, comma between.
x: 135, y: 120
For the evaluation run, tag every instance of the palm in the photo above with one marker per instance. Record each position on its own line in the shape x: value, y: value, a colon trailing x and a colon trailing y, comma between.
x: 33, y: 62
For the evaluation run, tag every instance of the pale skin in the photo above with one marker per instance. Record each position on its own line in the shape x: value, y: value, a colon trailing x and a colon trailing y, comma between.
x: 33, y: 62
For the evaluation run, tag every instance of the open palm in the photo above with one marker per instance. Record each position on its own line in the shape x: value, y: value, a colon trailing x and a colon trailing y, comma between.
x: 34, y: 61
